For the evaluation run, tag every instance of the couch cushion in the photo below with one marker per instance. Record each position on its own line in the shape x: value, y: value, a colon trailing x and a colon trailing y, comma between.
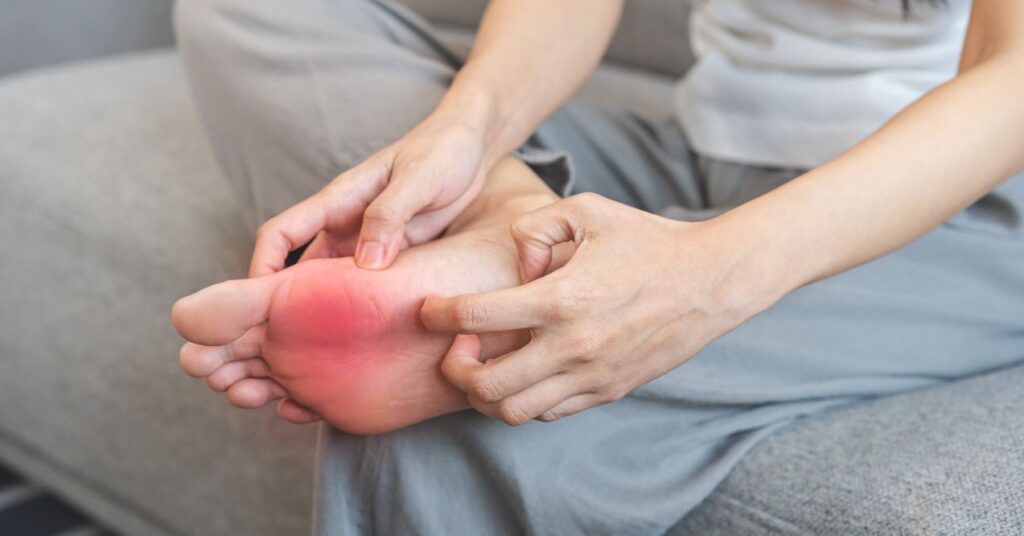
x: 111, y: 207
x: 946, y: 460
x: 37, y: 33
x: 652, y: 34
x: 613, y: 85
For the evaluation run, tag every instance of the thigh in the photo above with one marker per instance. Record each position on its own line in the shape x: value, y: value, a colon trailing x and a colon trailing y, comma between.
x: 633, y: 468
x: 292, y: 93
x: 290, y: 97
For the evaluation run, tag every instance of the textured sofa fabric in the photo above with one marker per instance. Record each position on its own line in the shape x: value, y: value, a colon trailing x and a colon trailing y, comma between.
x: 946, y: 460
x: 111, y: 207
x: 38, y: 33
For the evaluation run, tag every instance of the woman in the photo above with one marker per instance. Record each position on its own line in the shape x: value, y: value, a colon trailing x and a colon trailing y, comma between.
x: 811, y: 137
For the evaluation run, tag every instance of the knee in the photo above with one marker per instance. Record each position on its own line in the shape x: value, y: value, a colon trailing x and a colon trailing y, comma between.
x: 201, y: 25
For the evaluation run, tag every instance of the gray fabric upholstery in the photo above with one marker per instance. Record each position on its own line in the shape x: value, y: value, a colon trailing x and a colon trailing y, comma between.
x: 111, y: 208
x: 651, y: 35
x: 946, y: 460
x: 35, y: 33
x: 613, y: 84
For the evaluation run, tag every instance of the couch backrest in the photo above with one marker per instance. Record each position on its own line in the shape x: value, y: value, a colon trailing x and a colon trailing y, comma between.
x: 652, y: 35
x: 35, y: 33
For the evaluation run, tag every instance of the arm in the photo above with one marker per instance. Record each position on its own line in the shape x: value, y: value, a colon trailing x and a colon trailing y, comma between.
x: 642, y: 294
x: 522, y: 67
x: 529, y: 57
x: 933, y: 159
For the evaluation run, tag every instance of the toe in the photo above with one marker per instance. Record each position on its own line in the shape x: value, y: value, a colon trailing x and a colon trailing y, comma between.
x: 253, y: 392
x: 224, y: 377
x: 200, y: 361
x: 291, y: 411
x: 220, y: 314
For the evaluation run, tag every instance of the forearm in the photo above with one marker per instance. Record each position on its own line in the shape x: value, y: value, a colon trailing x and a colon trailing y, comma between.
x: 935, y: 158
x: 529, y: 57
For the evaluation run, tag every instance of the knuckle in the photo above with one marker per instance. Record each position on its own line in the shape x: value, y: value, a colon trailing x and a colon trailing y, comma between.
x: 587, y: 198
x: 550, y: 416
x: 513, y: 412
x: 588, y: 201
x: 468, y: 314
x: 562, y: 302
x: 486, y: 388
x: 611, y: 393
x: 382, y: 214
x: 519, y: 229
x: 583, y: 346
x: 568, y: 302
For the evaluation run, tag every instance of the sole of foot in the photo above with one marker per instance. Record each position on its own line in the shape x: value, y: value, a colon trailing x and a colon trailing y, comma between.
x: 348, y: 343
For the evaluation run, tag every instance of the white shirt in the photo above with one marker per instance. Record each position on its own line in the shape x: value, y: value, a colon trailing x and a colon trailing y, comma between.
x: 794, y: 83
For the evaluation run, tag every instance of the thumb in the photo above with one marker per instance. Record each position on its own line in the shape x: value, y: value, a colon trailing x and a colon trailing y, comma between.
x: 537, y: 233
x: 384, y: 223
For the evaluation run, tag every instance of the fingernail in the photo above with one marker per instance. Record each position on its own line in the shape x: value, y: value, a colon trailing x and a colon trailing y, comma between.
x: 370, y: 255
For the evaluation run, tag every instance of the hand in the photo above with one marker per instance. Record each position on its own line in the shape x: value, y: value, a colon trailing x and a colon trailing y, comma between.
x: 403, y: 195
x: 640, y: 295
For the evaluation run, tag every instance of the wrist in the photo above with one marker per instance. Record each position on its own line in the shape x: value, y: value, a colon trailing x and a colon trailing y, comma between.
x: 474, y: 101
x: 751, y: 271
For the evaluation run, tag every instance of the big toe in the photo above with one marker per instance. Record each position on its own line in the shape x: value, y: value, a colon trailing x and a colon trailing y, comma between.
x: 223, y: 312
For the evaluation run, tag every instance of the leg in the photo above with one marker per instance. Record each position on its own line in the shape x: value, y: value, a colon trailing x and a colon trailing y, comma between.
x: 346, y: 342
x: 292, y: 95
x: 945, y: 307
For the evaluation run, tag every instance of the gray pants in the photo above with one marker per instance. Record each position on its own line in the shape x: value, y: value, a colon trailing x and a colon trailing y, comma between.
x: 293, y: 93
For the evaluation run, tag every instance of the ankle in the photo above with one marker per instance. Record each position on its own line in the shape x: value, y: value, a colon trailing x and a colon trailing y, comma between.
x: 497, y: 210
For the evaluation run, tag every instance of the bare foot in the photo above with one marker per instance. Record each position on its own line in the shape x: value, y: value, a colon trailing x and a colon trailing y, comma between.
x: 344, y: 342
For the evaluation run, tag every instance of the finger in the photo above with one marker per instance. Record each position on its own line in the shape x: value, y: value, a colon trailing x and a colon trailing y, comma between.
x: 326, y: 245
x: 531, y: 403
x: 428, y: 224
x: 255, y: 392
x: 384, y: 224
x: 511, y: 373
x: 526, y: 306
x: 293, y: 412
x: 319, y: 248
x: 573, y: 405
x: 497, y: 344
x: 537, y: 233
x: 336, y: 206
x: 462, y: 361
x: 223, y: 378
x: 285, y: 232
x: 199, y: 361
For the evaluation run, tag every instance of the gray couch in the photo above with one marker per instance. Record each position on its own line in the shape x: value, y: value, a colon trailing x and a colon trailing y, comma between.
x: 111, y: 207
